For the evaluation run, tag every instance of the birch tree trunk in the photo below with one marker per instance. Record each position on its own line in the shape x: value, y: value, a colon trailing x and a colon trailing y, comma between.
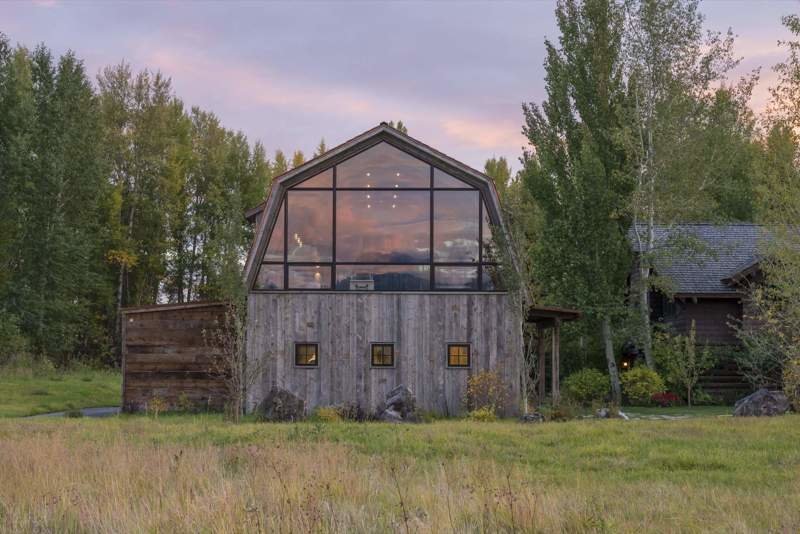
x: 611, y: 359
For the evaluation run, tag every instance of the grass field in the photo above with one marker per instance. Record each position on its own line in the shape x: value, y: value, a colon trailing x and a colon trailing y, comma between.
x: 26, y: 393
x: 200, y: 474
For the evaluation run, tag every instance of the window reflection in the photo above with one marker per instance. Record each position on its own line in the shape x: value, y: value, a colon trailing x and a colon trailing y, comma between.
x: 383, y: 226
x: 455, y: 226
x: 491, y: 278
x: 490, y: 252
x: 310, y: 226
x: 270, y: 277
x: 322, y: 180
x: 442, y: 180
x: 309, y: 277
x: 383, y: 166
x: 456, y: 278
x: 383, y: 277
x: 275, y: 247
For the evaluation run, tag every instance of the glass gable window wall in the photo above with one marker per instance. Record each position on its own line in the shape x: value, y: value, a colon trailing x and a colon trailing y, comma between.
x: 382, y: 220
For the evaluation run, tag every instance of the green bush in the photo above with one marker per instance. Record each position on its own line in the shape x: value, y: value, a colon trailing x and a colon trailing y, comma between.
x: 587, y: 386
x: 326, y: 414
x: 485, y: 414
x: 640, y: 384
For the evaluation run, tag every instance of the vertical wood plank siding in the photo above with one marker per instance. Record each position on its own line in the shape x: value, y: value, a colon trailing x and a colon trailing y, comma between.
x: 166, y: 356
x: 345, y: 325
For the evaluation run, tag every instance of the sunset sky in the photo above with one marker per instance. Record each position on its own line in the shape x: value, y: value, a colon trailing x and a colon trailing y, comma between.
x: 291, y: 73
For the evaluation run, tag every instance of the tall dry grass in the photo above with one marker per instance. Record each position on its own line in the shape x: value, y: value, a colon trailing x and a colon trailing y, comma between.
x: 58, y: 477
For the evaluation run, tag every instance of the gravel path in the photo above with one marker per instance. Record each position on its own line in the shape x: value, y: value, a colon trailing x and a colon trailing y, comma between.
x: 105, y: 411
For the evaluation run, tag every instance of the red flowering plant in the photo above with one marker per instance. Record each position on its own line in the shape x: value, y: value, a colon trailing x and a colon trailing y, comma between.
x: 665, y: 399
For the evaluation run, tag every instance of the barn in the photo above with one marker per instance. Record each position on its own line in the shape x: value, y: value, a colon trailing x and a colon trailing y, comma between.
x: 375, y: 265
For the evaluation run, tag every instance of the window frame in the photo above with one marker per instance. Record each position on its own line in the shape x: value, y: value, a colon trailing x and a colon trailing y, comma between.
x: 482, y: 216
x: 297, y: 345
x: 384, y: 344
x: 469, y: 355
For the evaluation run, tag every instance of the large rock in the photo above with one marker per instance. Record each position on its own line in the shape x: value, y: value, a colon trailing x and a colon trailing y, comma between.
x: 762, y: 402
x: 281, y: 405
x: 399, y: 406
x: 532, y: 417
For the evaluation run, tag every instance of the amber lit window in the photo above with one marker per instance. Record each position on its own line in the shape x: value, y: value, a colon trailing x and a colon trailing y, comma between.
x: 458, y: 355
x: 382, y: 355
x: 306, y: 354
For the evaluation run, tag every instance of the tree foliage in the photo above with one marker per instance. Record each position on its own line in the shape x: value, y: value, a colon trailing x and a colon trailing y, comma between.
x: 111, y: 196
x: 578, y: 171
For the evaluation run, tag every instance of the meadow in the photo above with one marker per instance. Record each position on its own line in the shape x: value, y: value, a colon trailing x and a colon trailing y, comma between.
x: 201, y: 474
x: 30, y: 391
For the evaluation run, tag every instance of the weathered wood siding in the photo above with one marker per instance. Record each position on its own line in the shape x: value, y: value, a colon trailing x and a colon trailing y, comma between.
x: 345, y: 325
x: 165, y: 355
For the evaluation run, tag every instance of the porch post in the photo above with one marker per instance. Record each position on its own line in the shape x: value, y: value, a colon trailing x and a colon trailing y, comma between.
x: 556, y: 361
x: 540, y: 362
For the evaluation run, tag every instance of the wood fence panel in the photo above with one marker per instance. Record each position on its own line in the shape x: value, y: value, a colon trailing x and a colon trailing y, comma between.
x: 168, y: 354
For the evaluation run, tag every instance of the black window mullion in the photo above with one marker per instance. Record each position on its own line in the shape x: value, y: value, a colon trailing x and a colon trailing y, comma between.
x: 286, y: 241
x: 430, y: 255
x: 480, y: 242
x: 333, y: 240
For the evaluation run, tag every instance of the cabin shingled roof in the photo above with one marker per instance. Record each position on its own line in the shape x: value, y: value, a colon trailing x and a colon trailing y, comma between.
x: 724, y: 250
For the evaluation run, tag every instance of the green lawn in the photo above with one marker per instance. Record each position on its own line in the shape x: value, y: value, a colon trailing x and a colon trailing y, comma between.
x: 180, y: 473
x: 31, y: 393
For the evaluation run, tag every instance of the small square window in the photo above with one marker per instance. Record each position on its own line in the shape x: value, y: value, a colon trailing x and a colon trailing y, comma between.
x: 458, y: 355
x: 306, y: 354
x: 382, y: 355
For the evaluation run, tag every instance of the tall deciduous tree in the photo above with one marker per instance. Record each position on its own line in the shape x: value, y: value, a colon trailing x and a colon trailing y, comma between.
x: 577, y: 168
x: 321, y: 148
x: 298, y: 158
x: 53, y: 193
x: 500, y: 172
x: 679, y: 128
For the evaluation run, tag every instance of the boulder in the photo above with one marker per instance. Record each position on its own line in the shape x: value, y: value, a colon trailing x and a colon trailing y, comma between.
x: 533, y: 417
x: 390, y: 416
x: 607, y: 413
x: 399, y: 406
x: 762, y: 403
x: 281, y: 405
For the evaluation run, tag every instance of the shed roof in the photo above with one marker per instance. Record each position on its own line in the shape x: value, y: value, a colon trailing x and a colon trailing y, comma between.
x: 721, y: 252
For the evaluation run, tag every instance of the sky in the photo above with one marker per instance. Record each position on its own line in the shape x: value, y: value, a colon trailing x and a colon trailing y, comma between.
x: 289, y: 74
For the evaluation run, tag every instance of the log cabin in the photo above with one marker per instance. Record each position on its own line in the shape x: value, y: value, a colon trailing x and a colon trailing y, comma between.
x: 707, y: 270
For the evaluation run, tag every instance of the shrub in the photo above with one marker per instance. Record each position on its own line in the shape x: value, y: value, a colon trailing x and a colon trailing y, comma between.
x: 666, y: 399
x: 640, y: 384
x: 156, y: 405
x: 681, y: 361
x: 791, y: 382
x: 587, y: 386
x: 486, y: 389
x: 326, y: 414
x: 483, y: 415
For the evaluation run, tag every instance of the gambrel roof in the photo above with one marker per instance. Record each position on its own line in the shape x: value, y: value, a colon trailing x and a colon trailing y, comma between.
x: 268, y: 210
